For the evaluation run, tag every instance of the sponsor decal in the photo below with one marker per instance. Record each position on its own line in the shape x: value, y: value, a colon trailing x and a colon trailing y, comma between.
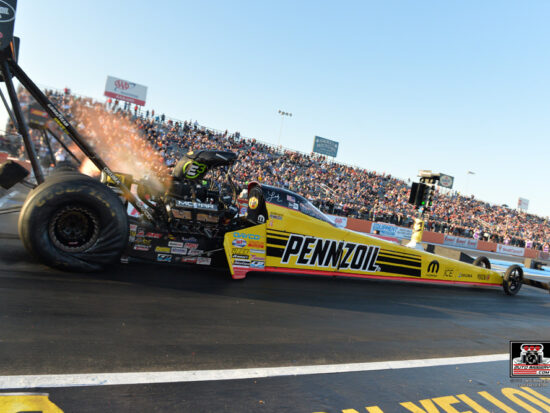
x: 145, y: 241
x: 257, y: 251
x: 243, y: 251
x: 241, y: 263
x: 528, y: 359
x: 277, y: 217
x: 257, y: 264
x: 192, y: 239
x: 290, y: 198
x: 253, y: 203
x: 179, y: 251
x: 294, y: 206
x: 239, y: 243
x: 162, y: 249
x: 164, y: 258
x: 189, y: 260
x: 255, y: 257
x: 246, y: 236
x: 256, y: 244
x: 196, y: 205
x: 240, y: 257
x: 433, y: 267
x: 261, y: 219
x: 139, y: 247
x: 483, y: 277
x: 465, y: 275
x: 27, y: 403
x: 133, y: 227
x: 191, y: 245
x: 195, y: 252
x: 449, y: 272
x: 155, y: 235
x: 193, y: 169
x: 329, y: 253
x: 204, y: 261
x: 140, y: 233
x: 175, y: 244
x: 7, y: 12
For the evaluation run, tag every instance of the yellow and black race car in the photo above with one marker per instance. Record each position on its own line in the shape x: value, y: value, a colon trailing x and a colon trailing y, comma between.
x: 293, y: 236
x: 77, y: 223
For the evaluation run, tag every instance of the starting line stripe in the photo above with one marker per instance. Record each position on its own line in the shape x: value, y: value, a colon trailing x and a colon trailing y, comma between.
x: 110, y: 379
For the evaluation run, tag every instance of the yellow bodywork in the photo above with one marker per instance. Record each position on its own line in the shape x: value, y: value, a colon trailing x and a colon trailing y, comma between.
x: 293, y: 242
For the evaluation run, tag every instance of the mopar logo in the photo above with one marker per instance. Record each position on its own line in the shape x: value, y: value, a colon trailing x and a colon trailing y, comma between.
x: 433, y: 267
x: 245, y: 236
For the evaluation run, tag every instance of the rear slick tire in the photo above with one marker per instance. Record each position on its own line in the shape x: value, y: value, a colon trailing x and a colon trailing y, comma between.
x: 74, y: 223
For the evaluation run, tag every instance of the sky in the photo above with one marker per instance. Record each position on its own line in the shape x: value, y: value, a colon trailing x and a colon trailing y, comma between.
x: 451, y: 86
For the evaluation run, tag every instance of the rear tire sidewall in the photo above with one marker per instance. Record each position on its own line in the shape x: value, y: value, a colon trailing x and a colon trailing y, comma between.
x: 79, y: 191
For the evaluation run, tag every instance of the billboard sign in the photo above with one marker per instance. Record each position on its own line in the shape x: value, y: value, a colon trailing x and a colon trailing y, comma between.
x: 325, y: 146
x: 446, y: 181
x: 523, y: 204
x: 38, y: 117
x: 125, y: 90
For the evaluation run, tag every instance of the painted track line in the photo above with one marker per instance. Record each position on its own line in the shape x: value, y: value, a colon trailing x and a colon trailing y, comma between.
x: 109, y: 379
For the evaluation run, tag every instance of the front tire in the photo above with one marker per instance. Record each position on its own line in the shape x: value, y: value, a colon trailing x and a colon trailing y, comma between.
x: 74, y: 223
x: 513, y: 280
x: 482, y: 261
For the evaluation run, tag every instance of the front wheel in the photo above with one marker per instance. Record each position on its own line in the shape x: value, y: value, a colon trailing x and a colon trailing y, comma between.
x: 513, y: 280
x: 73, y: 222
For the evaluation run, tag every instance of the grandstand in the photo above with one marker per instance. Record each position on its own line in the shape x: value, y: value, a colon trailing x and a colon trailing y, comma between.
x: 336, y: 188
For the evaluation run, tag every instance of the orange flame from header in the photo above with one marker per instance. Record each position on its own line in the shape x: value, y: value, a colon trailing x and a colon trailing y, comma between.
x: 118, y: 141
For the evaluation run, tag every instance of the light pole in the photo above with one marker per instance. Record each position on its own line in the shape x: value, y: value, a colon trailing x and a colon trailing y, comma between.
x: 283, y: 114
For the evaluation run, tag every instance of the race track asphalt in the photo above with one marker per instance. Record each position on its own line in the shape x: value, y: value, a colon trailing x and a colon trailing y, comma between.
x: 150, y: 318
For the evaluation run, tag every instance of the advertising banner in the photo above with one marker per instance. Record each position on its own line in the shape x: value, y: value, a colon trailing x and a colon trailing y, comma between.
x: 446, y: 181
x: 341, y: 222
x: 125, y: 90
x: 38, y: 117
x: 454, y: 241
x: 508, y: 249
x: 389, y: 230
x: 325, y: 146
x: 523, y: 203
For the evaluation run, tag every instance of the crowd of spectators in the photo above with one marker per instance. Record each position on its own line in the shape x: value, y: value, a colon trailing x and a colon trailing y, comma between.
x: 334, y: 187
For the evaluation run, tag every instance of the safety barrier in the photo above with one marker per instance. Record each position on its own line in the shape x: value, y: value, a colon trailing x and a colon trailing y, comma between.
x: 384, y: 229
